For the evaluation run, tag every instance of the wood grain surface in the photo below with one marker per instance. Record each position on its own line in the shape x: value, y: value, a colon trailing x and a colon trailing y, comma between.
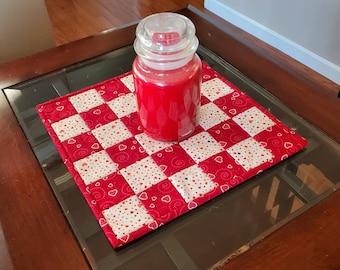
x: 34, y: 233
x: 76, y: 19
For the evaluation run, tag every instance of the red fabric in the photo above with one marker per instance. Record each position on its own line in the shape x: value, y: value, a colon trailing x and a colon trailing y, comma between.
x: 134, y: 184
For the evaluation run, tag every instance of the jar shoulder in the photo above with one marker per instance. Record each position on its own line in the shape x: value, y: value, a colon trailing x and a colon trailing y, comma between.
x: 192, y: 68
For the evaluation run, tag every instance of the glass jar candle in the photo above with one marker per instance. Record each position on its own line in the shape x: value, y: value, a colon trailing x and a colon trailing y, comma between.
x: 167, y: 76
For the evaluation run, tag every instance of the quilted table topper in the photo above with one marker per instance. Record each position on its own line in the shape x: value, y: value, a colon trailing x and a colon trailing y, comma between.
x: 134, y: 184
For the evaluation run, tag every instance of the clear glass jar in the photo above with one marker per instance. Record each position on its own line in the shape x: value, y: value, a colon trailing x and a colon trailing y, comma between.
x: 167, y: 76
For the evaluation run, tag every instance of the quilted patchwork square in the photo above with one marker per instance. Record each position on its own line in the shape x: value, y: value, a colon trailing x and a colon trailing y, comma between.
x: 131, y: 121
x: 95, y: 167
x: 81, y: 146
x: 192, y: 183
x: 223, y: 170
x: 98, y: 116
x: 110, y: 190
x: 211, y: 115
x: 123, y: 105
x: 235, y: 103
x: 215, y: 88
x: 173, y: 159
x: 126, y: 152
x: 228, y: 133
x: 253, y: 121
x: 128, y: 82
x: 56, y: 110
x: 111, y: 133
x: 201, y: 146
x: 163, y: 201
x: 86, y: 100
x: 127, y: 216
x: 150, y: 145
x: 70, y: 127
x: 143, y: 174
x: 250, y: 153
x: 111, y: 89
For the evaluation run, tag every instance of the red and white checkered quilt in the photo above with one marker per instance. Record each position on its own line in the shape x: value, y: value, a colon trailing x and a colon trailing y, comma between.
x: 134, y: 184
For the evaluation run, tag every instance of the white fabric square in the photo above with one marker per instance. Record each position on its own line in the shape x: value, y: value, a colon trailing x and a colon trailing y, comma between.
x: 215, y: 88
x: 150, y: 145
x: 192, y: 183
x: 127, y: 216
x: 201, y: 146
x: 143, y: 174
x: 95, y: 167
x: 128, y: 82
x: 250, y: 153
x: 70, y: 127
x: 86, y: 100
x: 211, y: 115
x: 111, y: 133
x: 123, y: 105
x: 253, y: 121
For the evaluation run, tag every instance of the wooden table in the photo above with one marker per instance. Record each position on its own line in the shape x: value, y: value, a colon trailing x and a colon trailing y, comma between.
x: 34, y: 233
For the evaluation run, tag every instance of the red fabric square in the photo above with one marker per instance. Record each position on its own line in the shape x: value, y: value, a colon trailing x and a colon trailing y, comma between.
x: 171, y: 163
x: 131, y: 121
x: 208, y: 73
x: 57, y: 110
x: 281, y: 140
x: 110, y: 190
x: 234, y: 103
x: 163, y: 202
x: 81, y: 146
x: 126, y: 152
x: 98, y: 116
x: 223, y: 170
x: 111, y: 89
x: 228, y: 133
